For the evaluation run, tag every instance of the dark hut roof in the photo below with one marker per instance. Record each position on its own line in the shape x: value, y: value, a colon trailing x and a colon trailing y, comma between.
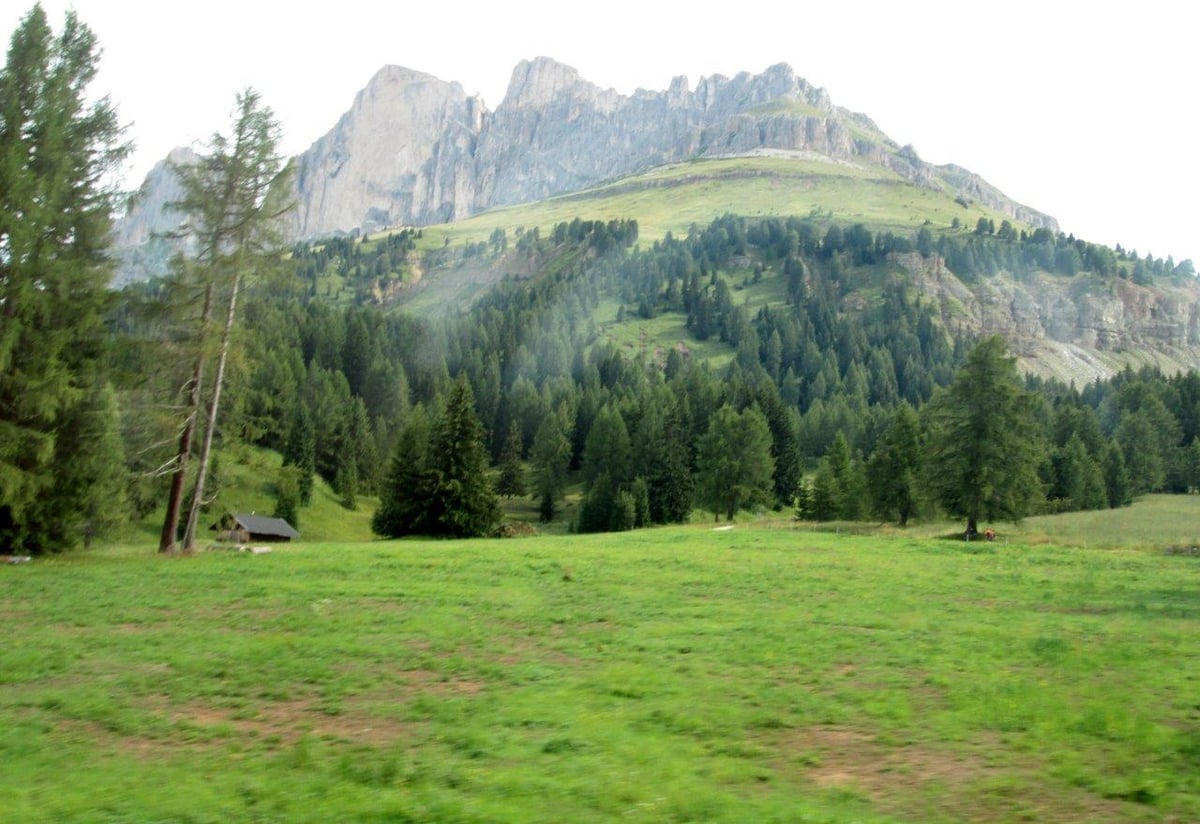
x: 261, y: 525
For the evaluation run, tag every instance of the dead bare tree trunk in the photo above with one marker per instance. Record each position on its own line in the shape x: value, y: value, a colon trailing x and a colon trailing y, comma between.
x: 189, y: 535
x: 166, y: 540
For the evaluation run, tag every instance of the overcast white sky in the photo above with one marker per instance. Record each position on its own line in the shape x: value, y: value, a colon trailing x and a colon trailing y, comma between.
x: 1085, y: 111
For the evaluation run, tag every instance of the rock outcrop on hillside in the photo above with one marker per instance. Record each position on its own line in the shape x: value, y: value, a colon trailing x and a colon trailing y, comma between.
x: 1072, y: 328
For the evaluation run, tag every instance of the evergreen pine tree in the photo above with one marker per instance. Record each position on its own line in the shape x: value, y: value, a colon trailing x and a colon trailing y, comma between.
x: 287, y: 495
x: 983, y: 448
x: 90, y: 479
x: 607, y: 449
x: 596, y: 508
x: 1081, y: 479
x: 401, y: 506
x: 735, y: 468
x: 300, y: 451
x: 550, y: 456
x: 824, y: 495
x: 669, y: 480
x: 1116, y: 477
x: 511, y: 482
x: 459, y: 494
x: 57, y: 150
x: 894, y: 466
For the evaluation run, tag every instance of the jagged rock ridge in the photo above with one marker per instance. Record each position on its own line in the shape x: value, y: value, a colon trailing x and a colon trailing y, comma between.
x: 415, y: 150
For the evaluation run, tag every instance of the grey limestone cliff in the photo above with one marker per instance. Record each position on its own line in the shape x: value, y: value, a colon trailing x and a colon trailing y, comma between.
x: 140, y: 238
x: 404, y: 153
x: 415, y: 150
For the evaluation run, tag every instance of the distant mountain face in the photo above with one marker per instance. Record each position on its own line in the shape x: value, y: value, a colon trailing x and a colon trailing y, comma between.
x: 416, y: 150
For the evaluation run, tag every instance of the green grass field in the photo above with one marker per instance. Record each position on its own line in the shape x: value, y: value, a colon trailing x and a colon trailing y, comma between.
x: 752, y: 673
x: 672, y: 198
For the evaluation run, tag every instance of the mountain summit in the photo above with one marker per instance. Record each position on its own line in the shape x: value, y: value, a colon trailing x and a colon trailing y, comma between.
x: 416, y: 150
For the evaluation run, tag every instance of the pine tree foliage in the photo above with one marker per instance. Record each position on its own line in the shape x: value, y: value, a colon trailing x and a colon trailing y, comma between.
x: 58, y: 152
x: 734, y: 463
x: 461, y: 500
x: 300, y: 451
x: 983, y: 445
x: 401, y: 508
x: 550, y: 456
x: 439, y: 484
x: 893, y: 471
x: 511, y: 482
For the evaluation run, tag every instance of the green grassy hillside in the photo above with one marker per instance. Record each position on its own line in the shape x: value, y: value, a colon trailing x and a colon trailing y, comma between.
x: 753, y: 673
x: 246, y: 484
x: 672, y: 198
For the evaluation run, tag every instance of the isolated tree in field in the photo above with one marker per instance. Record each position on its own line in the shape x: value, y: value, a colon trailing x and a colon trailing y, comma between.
x: 982, y: 447
x: 734, y: 464
x: 228, y: 208
x: 58, y: 153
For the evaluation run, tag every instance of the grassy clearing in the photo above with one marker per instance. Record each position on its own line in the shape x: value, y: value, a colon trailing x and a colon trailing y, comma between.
x: 685, y: 674
x: 247, y: 478
x: 1155, y: 522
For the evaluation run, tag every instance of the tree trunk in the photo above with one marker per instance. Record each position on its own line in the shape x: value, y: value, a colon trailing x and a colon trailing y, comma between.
x: 189, y: 535
x: 166, y: 541
x: 972, y: 527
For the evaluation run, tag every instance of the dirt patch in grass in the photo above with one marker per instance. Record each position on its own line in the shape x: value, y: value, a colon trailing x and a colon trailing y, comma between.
x: 286, y: 722
x: 431, y: 682
x: 977, y: 781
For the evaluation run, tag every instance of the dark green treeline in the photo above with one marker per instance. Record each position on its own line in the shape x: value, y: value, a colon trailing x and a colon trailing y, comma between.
x: 829, y: 369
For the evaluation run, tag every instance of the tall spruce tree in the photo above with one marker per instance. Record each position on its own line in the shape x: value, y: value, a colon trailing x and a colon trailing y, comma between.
x: 735, y: 467
x: 511, y: 482
x: 983, y: 445
x: 90, y: 479
x: 894, y: 467
x: 401, y: 508
x: 58, y: 153
x: 300, y: 451
x: 460, y: 499
x: 550, y: 456
x: 439, y: 483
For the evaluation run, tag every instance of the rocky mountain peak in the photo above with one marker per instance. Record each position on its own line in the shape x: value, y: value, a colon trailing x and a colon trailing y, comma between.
x: 537, y: 82
x: 415, y: 149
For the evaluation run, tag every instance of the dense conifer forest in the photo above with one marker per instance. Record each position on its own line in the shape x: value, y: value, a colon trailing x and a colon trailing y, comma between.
x: 842, y: 396
x: 824, y: 405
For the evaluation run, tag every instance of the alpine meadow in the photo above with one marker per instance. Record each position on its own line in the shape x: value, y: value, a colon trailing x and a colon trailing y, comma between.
x: 695, y: 455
